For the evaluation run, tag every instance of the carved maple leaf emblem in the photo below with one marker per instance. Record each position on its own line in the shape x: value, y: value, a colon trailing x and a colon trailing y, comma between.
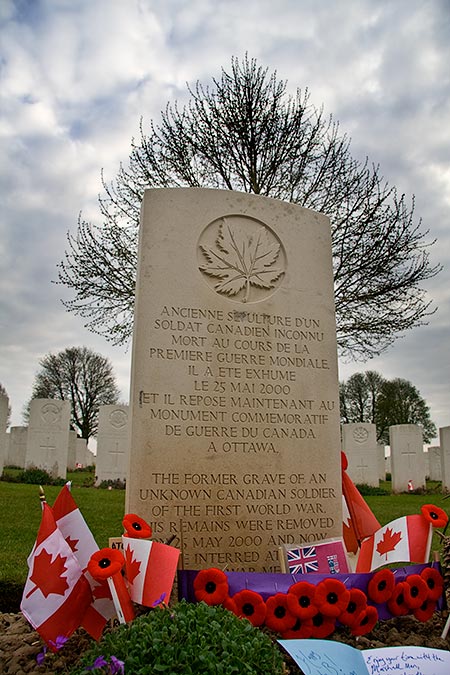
x: 132, y: 566
x: 242, y: 260
x: 388, y: 542
x: 48, y: 574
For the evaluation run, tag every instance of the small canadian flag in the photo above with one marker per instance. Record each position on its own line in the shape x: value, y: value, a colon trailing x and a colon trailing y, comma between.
x: 407, y: 539
x: 150, y: 569
x: 56, y: 594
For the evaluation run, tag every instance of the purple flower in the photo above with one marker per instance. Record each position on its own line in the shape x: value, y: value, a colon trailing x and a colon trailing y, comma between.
x: 160, y: 600
x: 117, y: 666
x: 41, y: 656
x: 59, y: 642
x: 99, y: 662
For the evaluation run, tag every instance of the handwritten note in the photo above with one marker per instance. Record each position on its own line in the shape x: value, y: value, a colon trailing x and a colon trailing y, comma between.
x: 326, y: 657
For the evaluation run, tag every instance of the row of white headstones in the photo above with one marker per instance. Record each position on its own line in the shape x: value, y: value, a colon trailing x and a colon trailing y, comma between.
x: 48, y: 443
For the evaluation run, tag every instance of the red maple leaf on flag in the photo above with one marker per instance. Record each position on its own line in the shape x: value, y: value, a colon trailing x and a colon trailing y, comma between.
x: 132, y: 566
x: 72, y: 543
x: 388, y: 542
x: 48, y: 574
x: 101, y: 591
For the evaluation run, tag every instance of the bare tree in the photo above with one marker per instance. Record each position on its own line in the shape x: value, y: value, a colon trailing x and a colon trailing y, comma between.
x: 246, y: 133
x: 82, y: 377
x: 359, y: 397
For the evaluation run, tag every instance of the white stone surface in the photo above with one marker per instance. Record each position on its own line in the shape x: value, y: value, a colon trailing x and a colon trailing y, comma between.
x: 381, y: 461
x: 81, y: 452
x: 72, y: 453
x: 112, y: 443
x: 434, y: 462
x: 48, y: 436
x: 17, y: 446
x: 444, y: 442
x: 4, y: 402
x: 359, y: 442
x: 407, y: 457
x: 235, y: 399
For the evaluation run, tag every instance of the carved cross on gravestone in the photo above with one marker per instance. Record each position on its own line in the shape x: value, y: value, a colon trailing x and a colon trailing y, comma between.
x: 409, y: 454
x: 362, y: 466
x: 50, y: 448
x: 116, y: 453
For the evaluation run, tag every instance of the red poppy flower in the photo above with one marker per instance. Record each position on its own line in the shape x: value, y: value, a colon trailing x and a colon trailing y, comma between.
x: 397, y: 602
x: 426, y: 610
x: 435, y: 582
x: 279, y: 618
x: 436, y: 516
x: 251, y: 606
x: 105, y: 563
x: 230, y: 605
x: 331, y: 597
x: 301, y: 599
x: 323, y: 625
x: 211, y: 586
x: 136, y: 527
x: 416, y: 591
x: 381, y: 585
x: 356, y: 605
x: 300, y: 630
x: 366, y: 621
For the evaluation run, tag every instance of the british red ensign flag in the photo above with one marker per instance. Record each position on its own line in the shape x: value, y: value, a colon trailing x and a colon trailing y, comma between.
x: 56, y: 594
x: 407, y: 539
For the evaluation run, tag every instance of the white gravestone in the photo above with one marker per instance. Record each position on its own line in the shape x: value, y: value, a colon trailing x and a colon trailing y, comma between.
x: 48, y: 436
x: 72, y: 453
x: 444, y: 440
x: 407, y: 457
x: 17, y: 447
x: 81, y: 452
x: 90, y: 458
x: 112, y: 443
x: 4, y: 402
x: 359, y: 442
x: 434, y: 462
x: 235, y: 444
x: 381, y: 462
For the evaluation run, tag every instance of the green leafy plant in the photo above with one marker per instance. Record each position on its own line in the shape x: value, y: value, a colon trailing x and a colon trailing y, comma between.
x: 33, y: 476
x: 188, y: 639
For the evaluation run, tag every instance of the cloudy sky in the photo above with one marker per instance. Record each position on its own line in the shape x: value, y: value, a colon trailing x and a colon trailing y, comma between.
x: 76, y: 76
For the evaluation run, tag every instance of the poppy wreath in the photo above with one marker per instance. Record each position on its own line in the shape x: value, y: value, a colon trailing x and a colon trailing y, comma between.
x: 365, y: 621
x: 331, y: 597
x: 279, y: 618
x: 356, y: 605
x: 105, y: 563
x: 211, y: 586
x: 136, y: 527
x: 301, y: 600
x: 416, y: 591
x: 397, y: 602
x: 381, y: 586
x: 434, y: 581
x: 425, y: 611
x: 322, y: 626
x: 250, y: 605
x: 300, y: 630
x: 435, y: 515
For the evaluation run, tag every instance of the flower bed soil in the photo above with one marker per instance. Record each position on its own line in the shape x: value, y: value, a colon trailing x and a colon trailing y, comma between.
x: 20, y: 644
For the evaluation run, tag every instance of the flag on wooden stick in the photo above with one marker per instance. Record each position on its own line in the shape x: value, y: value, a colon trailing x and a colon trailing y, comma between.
x: 56, y: 594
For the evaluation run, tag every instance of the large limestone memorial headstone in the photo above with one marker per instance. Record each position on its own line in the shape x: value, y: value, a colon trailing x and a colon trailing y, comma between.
x: 235, y: 439
x: 48, y: 436
x: 359, y: 442
x: 407, y: 457
x: 112, y: 443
